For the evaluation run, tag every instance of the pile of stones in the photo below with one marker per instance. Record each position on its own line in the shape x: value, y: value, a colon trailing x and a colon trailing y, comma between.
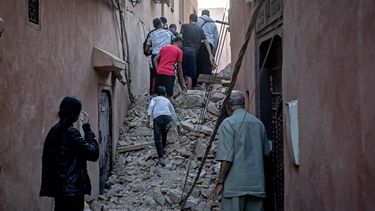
x: 140, y: 181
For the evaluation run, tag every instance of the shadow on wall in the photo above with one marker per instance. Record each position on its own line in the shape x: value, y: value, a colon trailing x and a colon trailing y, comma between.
x: 138, y: 62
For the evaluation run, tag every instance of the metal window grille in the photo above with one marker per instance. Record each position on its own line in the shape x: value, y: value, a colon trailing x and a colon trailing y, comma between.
x: 33, y: 12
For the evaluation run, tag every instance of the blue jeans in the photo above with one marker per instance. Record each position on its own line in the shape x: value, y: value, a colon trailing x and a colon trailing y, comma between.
x: 161, y: 126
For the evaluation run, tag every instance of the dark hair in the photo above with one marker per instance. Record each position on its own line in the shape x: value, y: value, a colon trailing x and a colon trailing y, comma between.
x: 161, y: 91
x: 206, y: 12
x: 70, y: 107
x: 157, y: 23
x: 177, y: 39
x: 173, y: 26
x: 193, y: 17
x: 163, y: 19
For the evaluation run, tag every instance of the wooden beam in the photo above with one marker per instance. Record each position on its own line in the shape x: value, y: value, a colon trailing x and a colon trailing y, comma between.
x: 211, y: 78
x: 221, y: 22
x: 130, y: 148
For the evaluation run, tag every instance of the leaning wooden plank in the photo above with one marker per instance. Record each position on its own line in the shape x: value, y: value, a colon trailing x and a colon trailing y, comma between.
x: 130, y: 148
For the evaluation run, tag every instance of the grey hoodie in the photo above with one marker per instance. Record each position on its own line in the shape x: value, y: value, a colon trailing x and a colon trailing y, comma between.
x: 210, y: 29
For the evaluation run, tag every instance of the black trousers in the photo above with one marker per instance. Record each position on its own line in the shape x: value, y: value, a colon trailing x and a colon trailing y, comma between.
x: 69, y: 203
x: 161, y: 126
x: 152, y: 76
x: 203, y: 61
x: 167, y: 81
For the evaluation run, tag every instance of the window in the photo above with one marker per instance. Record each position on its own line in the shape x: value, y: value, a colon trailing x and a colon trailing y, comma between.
x: 33, y: 13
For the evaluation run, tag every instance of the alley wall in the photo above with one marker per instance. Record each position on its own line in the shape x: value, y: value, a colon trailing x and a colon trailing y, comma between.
x: 328, y: 63
x: 39, y: 68
x: 239, y: 20
x: 41, y: 64
x: 328, y: 66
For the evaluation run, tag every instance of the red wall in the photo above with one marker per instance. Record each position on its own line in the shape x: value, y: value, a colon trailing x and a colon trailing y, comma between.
x: 328, y: 62
x: 239, y: 20
x: 39, y: 68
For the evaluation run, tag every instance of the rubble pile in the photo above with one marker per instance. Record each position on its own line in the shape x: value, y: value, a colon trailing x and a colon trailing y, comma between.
x: 140, y: 181
x: 226, y: 72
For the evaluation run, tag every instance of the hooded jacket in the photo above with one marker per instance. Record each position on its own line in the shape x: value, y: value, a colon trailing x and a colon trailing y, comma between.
x: 64, y: 168
x: 210, y: 29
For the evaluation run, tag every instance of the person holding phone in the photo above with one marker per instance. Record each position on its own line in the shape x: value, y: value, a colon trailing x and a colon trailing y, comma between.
x: 65, y: 153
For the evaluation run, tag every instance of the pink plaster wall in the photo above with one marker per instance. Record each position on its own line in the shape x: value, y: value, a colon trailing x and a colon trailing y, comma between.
x: 39, y: 68
x: 239, y: 20
x: 328, y: 63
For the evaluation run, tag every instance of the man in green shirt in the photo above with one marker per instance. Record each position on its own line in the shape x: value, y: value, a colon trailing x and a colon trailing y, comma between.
x: 242, y: 145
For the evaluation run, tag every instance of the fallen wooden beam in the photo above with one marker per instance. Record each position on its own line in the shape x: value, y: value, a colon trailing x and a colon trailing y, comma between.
x: 211, y: 78
x: 130, y: 148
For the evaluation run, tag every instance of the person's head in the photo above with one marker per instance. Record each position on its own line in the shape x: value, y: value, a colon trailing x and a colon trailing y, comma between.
x: 193, y: 18
x: 70, y: 108
x: 236, y: 100
x: 157, y: 23
x: 161, y: 91
x: 178, y: 41
x: 163, y: 20
x: 173, y: 26
x: 206, y: 12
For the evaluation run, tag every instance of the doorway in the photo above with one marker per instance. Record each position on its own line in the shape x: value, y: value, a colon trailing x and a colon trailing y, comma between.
x: 105, y: 138
x: 270, y: 111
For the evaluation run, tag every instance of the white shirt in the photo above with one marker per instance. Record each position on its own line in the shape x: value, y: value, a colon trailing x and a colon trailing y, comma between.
x: 161, y: 106
x: 158, y: 39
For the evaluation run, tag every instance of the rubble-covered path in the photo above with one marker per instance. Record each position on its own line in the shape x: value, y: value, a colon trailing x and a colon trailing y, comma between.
x: 140, y: 182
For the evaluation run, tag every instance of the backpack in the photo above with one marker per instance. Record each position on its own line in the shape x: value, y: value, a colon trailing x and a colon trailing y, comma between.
x: 205, y: 21
x: 145, y: 43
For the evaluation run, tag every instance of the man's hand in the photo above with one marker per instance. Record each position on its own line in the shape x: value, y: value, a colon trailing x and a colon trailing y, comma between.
x: 148, y: 121
x: 212, y: 60
x: 184, y: 88
x: 217, y: 192
x: 84, y: 117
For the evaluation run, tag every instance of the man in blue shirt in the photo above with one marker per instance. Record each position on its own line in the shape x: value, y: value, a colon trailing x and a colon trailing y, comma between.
x: 209, y: 27
x: 242, y: 146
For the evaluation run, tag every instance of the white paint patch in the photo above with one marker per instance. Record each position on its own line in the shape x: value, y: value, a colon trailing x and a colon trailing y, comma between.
x: 292, y: 129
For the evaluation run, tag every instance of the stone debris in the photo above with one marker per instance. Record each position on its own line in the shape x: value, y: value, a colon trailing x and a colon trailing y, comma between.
x: 226, y: 72
x: 139, y: 181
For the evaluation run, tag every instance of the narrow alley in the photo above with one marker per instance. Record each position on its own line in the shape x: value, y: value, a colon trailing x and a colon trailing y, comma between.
x: 268, y: 104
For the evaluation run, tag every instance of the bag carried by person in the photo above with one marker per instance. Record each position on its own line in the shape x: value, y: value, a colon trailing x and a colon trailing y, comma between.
x: 146, y: 53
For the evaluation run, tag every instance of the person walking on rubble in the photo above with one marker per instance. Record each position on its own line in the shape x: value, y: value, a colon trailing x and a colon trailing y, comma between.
x: 209, y: 27
x: 164, y: 63
x: 241, y: 149
x: 162, y: 112
x: 65, y: 152
x: 164, y: 22
x: 193, y: 35
x: 173, y: 29
x: 155, y: 40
